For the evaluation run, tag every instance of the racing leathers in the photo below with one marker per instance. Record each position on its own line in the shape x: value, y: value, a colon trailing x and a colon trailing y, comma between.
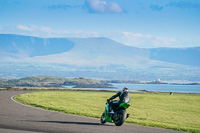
x: 124, y: 97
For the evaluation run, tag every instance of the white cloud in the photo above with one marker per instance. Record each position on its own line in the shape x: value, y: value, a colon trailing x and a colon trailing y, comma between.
x: 163, y: 41
x: 144, y: 41
x: 135, y: 35
x: 114, y: 7
x: 126, y: 38
x: 23, y: 27
x: 34, y: 28
x: 99, y: 6
x: 46, y: 32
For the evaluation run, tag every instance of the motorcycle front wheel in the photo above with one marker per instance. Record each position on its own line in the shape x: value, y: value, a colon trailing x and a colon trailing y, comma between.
x: 103, y: 118
x: 121, y: 117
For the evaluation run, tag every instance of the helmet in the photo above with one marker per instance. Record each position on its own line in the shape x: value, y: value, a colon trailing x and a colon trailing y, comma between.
x: 125, y: 89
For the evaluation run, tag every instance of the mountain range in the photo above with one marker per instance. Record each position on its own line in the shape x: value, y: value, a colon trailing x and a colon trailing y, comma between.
x: 94, y: 58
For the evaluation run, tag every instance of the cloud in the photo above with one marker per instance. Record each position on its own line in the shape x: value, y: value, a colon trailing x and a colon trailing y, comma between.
x: 185, y: 4
x: 34, y: 28
x: 43, y: 31
x: 143, y: 41
x: 126, y: 38
x: 100, y: 6
x: 181, y: 4
x: 23, y: 27
x: 60, y: 6
x: 65, y: 7
x: 163, y: 41
x: 156, y: 7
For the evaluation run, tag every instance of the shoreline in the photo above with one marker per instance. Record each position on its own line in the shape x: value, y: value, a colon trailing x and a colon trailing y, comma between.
x: 87, y: 89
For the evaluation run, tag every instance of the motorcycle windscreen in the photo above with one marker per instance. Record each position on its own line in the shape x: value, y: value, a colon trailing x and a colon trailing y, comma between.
x: 124, y: 105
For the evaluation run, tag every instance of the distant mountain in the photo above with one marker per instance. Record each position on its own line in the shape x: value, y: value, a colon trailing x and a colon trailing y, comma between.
x: 76, y: 51
x: 94, y: 58
x: 32, y: 46
x: 185, y: 56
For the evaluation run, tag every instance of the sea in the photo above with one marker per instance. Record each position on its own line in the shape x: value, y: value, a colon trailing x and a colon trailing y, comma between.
x: 161, y: 87
x: 154, y: 87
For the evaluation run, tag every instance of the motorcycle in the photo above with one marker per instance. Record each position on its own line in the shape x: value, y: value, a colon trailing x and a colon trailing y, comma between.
x: 119, y: 116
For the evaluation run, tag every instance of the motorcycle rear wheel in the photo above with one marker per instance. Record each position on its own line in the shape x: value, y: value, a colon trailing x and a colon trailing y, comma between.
x: 121, y: 118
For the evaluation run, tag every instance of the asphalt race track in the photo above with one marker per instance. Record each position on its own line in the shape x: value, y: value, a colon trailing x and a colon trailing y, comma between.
x: 18, y: 118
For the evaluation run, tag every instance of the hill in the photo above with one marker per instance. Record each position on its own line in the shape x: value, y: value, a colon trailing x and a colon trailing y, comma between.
x: 50, y: 81
x: 26, y: 46
x: 184, y: 56
x: 91, y: 52
x: 23, y: 56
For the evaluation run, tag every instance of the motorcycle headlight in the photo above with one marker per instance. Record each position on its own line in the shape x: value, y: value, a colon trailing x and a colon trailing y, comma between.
x: 126, y: 100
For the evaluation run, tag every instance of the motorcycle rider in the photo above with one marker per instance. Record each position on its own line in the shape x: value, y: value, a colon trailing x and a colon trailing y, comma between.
x: 124, y: 97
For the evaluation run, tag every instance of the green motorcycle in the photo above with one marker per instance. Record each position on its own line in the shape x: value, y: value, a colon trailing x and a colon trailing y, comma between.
x: 119, y: 115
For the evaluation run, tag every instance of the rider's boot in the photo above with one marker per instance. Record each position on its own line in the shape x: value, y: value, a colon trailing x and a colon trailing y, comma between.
x: 127, y: 116
x: 111, y: 112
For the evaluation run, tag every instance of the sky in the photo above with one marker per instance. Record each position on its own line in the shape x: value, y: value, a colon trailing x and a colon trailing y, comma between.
x: 137, y: 23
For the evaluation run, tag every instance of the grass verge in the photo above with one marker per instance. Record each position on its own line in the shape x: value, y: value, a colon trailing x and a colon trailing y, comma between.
x: 178, y: 112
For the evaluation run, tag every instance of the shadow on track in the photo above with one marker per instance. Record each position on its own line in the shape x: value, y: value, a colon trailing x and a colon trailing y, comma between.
x: 78, y: 123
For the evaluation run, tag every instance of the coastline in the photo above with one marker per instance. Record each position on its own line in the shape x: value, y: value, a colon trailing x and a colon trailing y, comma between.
x: 89, y: 90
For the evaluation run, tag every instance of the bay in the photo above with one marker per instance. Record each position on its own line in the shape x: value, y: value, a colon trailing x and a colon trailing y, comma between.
x: 152, y: 87
x: 160, y: 87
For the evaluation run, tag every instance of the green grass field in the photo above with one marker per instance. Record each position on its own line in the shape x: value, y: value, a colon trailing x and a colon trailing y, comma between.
x: 178, y: 112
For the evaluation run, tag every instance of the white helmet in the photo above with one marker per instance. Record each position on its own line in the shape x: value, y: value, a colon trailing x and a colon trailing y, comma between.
x: 125, y: 89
